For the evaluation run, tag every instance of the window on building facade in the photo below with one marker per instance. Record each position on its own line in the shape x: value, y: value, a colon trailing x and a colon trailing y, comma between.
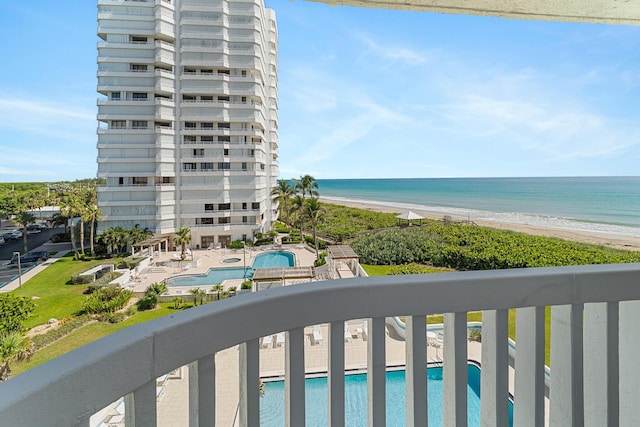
x: 189, y: 138
x: 206, y: 138
x: 244, y: 166
x: 198, y: 152
x: 224, y: 125
x: 223, y: 98
x: 225, y: 152
x: 139, y: 124
x: 255, y: 205
x: 207, y: 125
x: 224, y: 138
x: 138, y: 68
x: 224, y: 206
x: 115, y: 96
x: 205, y: 221
x: 137, y: 39
x: 189, y: 125
x: 139, y: 96
x: 118, y: 124
x: 139, y: 180
x: 206, y: 71
x: 224, y: 166
x: 224, y: 220
x: 188, y: 166
x: 206, y: 166
x: 208, y: 206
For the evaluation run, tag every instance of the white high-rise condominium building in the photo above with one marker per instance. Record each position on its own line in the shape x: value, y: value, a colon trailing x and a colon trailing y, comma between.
x: 188, y: 123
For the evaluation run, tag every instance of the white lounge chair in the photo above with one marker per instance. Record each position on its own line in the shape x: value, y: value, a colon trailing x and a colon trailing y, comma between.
x: 347, y: 334
x: 279, y: 339
x: 317, y: 335
x: 267, y: 341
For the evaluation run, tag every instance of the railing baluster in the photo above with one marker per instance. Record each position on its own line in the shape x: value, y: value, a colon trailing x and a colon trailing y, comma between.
x: 376, y: 373
x: 144, y: 412
x: 601, y: 364
x: 249, y: 383
x: 629, y: 343
x: 416, y: 370
x: 336, y: 375
x: 202, y: 392
x: 455, y: 370
x: 529, y: 382
x: 566, y: 407
x: 494, y: 388
x: 294, y: 378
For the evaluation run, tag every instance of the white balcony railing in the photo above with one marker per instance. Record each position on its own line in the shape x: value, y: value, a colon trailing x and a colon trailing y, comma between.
x: 594, y: 347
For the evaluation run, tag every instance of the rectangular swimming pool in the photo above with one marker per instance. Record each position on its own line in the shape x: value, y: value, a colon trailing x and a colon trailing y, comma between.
x: 272, y: 403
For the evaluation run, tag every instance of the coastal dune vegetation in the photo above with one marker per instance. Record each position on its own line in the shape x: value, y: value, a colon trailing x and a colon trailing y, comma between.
x: 378, y: 240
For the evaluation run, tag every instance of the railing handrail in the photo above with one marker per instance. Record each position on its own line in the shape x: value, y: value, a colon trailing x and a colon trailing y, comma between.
x: 89, y: 378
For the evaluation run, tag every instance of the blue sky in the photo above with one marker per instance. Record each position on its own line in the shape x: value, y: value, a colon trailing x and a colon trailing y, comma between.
x: 363, y: 93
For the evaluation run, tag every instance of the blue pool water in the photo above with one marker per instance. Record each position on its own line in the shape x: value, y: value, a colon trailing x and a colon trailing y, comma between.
x: 218, y: 275
x: 272, y: 403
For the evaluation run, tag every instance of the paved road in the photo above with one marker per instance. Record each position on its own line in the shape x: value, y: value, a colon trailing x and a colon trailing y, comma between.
x: 33, y: 241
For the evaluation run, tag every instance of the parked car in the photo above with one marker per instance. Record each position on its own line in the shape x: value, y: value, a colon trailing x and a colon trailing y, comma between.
x: 34, y: 227
x: 12, y: 235
x: 1, y: 240
x: 31, y: 257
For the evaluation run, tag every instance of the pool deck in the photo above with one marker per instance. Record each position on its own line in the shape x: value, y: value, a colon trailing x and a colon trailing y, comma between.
x: 203, y: 260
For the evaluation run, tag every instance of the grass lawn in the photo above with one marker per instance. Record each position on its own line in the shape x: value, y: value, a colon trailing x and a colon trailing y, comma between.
x: 58, y: 298
x: 87, y: 334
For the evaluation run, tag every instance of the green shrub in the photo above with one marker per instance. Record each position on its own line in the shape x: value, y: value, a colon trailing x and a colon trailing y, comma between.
x: 147, y: 303
x: 412, y: 268
x: 103, y: 282
x: 246, y: 284
x: 465, y: 247
x: 106, y: 300
x: 281, y: 228
x: 236, y: 244
x: 321, y: 260
x: 77, y: 279
x: 116, y: 317
x: 475, y: 335
x: 177, y: 303
x: 13, y: 311
x: 129, y: 263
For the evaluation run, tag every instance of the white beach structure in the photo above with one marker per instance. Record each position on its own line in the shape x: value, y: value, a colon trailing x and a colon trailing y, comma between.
x: 594, y: 317
x: 188, y: 125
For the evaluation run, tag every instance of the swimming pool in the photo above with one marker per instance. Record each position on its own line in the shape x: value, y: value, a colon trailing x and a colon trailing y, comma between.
x: 218, y: 275
x: 272, y: 403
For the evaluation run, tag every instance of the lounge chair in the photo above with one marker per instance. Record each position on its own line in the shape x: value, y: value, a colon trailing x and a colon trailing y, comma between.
x: 347, y: 334
x: 317, y: 335
x: 267, y: 341
x: 279, y: 339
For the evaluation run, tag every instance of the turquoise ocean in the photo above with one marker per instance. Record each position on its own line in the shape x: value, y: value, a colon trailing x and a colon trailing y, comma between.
x: 609, y: 205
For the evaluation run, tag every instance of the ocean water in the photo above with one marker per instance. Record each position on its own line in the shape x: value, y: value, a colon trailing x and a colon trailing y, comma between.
x: 608, y: 205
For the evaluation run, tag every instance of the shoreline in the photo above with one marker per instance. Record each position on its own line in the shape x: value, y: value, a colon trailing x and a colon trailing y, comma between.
x: 583, y: 236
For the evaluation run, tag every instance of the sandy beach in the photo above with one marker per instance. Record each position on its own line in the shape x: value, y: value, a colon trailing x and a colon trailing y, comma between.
x: 584, y: 236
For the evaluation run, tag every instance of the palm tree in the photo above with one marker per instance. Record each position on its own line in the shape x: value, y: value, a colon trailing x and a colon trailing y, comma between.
x: 24, y: 219
x: 298, y: 205
x: 307, y: 185
x: 218, y: 288
x: 197, y: 293
x: 183, y: 238
x: 13, y: 347
x: 93, y: 215
x: 313, y: 212
x: 282, y: 195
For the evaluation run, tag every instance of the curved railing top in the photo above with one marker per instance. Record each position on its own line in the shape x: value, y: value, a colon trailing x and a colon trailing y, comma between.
x: 91, y: 377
